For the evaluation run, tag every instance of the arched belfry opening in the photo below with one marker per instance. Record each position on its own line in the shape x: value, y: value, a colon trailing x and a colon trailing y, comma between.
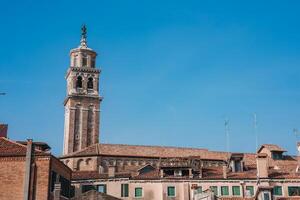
x: 79, y: 82
x: 90, y: 84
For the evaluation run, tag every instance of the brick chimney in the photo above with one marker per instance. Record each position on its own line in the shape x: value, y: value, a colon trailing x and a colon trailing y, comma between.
x: 3, y: 130
x: 224, y: 167
x: 262, y: 165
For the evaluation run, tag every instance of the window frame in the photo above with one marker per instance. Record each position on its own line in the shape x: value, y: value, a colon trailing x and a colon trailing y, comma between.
x: 289, y: 187
x: 216, y: 192
x: 104, y: 187
x: 277, y: 186
x: 224, y: 186
x: 169, y: 187
x: 233, y: 191
x: 135, y: 192
x: 251, y: 191
x: 124, y: 190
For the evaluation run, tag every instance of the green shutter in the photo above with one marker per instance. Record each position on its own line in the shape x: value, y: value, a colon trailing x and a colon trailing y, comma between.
x: 138, y: 192
x: 251, y: 189
x: 171, y: 191
x: 294, y: 191
x: 277, y: 190
x: 214, y: 189
x: 236, y: 190
x: 224, y: 190
x: 124, y: 190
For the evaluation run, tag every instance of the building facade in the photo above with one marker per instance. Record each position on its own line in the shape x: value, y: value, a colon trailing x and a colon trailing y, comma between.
x: 157, y: 172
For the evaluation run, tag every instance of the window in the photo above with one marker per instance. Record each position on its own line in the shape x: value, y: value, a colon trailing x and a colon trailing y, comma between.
x: 102, y: 188
x: 266, y: 196
x: 198, y: 190
x: 238, y: 166
x: 214, y: 189
x: 277, y: 155
x: 86, y: 188
x: 79, y: 82
x: 84, y: 61
x: 93, y: 62
x: 124, y: 190
x: 171, y: 191
x: 224, y: 190
x: 90, y: 83
x: 138, y: 192
x: 249, y: 190
x: 294, y: 191
x: 277, y: 190
x: 236, y: 191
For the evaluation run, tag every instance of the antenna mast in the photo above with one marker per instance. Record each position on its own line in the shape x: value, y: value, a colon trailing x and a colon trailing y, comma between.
x: 297, y: 134
x: 227, y: 136
x: 255, y: 131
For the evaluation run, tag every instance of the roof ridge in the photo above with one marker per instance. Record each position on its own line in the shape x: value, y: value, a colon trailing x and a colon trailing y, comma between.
x: 161, y: 146
x: 14, y: 142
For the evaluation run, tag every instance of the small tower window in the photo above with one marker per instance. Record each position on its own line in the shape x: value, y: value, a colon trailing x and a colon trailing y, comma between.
x: 79, y: 82
x: 90, y: 83
x: 84, y: 61
x: 93, y: 62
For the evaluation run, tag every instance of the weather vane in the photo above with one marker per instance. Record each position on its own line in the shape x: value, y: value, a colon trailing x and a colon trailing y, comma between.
x: 83, y: 31
x: 83, y: 42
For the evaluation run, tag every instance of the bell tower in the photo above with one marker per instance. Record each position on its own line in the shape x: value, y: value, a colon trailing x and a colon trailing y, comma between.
x: 82, y: 103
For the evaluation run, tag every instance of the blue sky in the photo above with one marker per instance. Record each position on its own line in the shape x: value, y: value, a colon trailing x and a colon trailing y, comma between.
x: 172, y: 71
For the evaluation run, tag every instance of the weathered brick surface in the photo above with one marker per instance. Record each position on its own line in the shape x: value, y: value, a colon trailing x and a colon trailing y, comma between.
x: 12, y: 173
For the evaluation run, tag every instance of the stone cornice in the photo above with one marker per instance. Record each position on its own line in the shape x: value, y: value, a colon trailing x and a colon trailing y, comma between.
x: 84, y: 70
x: 81, y: 96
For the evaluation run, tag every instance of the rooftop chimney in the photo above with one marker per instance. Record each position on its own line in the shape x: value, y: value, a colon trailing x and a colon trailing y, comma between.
x: 3, y: 130
x: 262, y: 165
x: 224, y: 171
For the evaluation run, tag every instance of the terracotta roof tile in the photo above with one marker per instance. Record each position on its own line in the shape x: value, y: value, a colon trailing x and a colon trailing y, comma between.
x: 272, y: 147
x: 148, y: 151
x: 82, y: 175
x: 11, y: 148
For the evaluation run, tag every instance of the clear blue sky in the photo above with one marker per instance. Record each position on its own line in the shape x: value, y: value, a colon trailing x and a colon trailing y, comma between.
x: 171, y: 70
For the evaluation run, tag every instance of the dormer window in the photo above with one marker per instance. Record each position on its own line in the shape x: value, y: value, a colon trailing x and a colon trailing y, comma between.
x: 236, y: 162
x: 277, y: 155
x: 273, y: 151
x: 90, y: 83
x: 79, y: 82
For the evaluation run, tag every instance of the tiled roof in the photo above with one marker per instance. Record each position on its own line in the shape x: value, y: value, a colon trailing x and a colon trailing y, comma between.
x: 271, y: 147
x: 11, y: 148
x: 147, y: 151
x: 83, y: 175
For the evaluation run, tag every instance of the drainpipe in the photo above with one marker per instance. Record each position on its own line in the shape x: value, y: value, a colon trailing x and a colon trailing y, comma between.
x: 28, y: 170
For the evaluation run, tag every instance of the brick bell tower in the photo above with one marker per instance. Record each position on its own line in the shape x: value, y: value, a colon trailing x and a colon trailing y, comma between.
x: 82, y: 103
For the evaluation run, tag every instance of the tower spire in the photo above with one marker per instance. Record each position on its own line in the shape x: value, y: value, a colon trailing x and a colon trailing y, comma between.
x: 83, y: 41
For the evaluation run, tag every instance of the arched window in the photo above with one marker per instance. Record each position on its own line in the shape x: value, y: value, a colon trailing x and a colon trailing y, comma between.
x: 79, y: 82
x: 90, y: 83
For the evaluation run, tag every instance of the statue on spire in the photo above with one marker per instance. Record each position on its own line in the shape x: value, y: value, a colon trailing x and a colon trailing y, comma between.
x: 83, y: 41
